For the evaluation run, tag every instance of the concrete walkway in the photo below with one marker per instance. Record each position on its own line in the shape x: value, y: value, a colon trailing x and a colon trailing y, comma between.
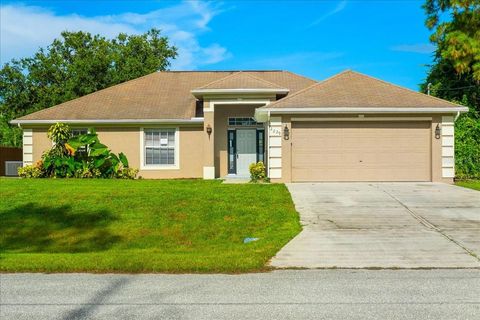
x: 384, y: 225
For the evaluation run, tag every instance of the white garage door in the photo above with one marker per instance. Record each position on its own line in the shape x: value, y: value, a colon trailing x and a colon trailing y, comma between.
x: 361, y: 151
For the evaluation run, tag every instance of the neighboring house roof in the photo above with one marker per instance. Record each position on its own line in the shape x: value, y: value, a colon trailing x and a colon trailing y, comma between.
x: 160, y: 95
x: 351, y: 89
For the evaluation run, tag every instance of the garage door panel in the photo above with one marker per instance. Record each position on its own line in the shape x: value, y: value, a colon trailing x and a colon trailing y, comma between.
x: 366, y: 151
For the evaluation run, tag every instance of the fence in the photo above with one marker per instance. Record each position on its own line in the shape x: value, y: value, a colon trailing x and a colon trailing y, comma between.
x: 8, y: 154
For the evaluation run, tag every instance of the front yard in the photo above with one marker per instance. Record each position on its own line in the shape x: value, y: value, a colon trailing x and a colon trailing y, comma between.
x: 472, y: 184
x: 70, y: 225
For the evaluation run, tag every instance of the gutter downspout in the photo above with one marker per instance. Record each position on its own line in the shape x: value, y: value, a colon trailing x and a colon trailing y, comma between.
x: 456, y: 117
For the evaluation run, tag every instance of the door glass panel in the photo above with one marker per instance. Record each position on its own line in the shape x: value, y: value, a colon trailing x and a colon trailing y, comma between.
x: 231, y: 152
x: 260, y: 150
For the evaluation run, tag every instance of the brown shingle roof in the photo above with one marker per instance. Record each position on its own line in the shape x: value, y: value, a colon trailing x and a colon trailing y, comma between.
x: 241, y: 80
x: 160, y: 95
x: 351, y: 89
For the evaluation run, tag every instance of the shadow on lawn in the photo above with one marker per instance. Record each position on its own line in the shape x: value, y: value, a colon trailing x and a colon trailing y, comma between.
x: 34, y: 228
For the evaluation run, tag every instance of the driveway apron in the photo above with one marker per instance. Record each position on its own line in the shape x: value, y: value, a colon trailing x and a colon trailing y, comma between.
x: 384, y: 225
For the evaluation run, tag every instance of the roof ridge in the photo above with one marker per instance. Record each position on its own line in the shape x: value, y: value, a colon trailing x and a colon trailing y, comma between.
x: 221, y: 79
x: 247, y: 74
x: 405, y: 89
x: 300, y: 75
x: 306, y: 89
x: 263, y: 80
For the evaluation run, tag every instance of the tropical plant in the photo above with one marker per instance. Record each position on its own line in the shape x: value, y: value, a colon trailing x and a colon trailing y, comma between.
x: 83, y: 156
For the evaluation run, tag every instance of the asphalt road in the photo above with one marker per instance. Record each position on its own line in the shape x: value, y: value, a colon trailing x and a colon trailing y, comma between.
x: 292, y: 294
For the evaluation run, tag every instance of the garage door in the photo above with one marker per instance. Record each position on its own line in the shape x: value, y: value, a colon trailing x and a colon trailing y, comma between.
x: 361, y: 151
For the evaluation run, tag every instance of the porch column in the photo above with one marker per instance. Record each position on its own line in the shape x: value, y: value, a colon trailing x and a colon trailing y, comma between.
x: 208, y: 145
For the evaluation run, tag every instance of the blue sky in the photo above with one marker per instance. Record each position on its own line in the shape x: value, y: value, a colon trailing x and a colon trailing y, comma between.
x: 385, y: 39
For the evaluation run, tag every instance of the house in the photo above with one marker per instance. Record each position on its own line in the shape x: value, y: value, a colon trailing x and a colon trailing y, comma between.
x: 208, y: 124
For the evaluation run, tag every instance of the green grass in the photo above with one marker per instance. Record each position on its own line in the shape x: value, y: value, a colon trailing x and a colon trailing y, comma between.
x: 70, y: 225
x: 472, y: 184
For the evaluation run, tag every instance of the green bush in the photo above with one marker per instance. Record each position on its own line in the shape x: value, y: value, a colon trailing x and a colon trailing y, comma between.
x: 32, y: 171
x: 257, y: 172
x: 467, y: 146
x: 82, y: 156
x: 127, y: 173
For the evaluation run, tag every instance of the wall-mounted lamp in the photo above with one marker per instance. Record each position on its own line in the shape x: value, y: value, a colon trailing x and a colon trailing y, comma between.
x: 286, y: 133
x: 209, y: 129
x: 437, y: 132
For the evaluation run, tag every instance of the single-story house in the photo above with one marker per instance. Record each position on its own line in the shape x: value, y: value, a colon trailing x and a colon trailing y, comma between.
x: 214, y: 124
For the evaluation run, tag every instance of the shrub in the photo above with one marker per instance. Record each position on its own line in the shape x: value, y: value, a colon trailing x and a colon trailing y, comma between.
x: 467, y: 146
x: 257, y: 172
x: 127, y: 173
x: 32, y: 171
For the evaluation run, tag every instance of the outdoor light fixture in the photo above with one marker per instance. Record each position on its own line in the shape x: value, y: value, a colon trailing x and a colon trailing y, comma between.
x: 286, y: 133
x: 209, y: 129
x: 437, y: 132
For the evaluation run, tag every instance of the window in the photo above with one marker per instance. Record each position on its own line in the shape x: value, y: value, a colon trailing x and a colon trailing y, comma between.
x: 159, y: 147
x: 242, y: 122
x: 79, y: 131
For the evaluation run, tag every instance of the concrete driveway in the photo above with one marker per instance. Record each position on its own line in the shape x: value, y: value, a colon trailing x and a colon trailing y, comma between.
x: 384, y: 225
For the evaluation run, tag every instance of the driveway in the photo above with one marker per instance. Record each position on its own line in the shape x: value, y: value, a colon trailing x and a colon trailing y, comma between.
x: 384, y: 225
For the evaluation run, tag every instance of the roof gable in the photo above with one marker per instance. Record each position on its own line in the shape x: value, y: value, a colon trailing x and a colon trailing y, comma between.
x: 240, y: 80
x: 351, y: 89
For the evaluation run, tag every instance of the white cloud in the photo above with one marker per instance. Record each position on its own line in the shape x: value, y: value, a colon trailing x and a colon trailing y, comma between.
x: 423, y: 48
x: 338, y: 8
x: 24, y: 29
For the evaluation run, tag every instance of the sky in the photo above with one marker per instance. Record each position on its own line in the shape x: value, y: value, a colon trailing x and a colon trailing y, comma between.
x: 385, y: 39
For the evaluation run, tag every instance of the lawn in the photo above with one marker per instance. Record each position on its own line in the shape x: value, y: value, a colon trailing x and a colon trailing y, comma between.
x: 69, y: 225
x: 472, y: 184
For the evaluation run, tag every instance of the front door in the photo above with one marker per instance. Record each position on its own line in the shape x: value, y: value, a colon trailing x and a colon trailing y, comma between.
x: 246, y: 150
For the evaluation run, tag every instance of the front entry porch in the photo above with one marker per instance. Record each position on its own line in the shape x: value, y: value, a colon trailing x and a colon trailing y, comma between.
x: 245, y: 146
x: 236, y: 140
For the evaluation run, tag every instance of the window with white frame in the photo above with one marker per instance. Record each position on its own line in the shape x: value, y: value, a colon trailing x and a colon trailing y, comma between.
x: 159, y: 147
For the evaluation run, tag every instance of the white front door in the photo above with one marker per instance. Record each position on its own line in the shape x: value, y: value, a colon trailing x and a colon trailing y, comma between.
x: 246, y: 150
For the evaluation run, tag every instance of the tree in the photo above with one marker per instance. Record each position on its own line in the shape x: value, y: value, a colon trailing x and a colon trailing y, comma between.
x: 74, y: 65
x: 457, y: 39
x: 455, y: 73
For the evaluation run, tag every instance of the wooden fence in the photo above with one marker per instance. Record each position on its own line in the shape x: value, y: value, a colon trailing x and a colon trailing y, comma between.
x: 9, y: 154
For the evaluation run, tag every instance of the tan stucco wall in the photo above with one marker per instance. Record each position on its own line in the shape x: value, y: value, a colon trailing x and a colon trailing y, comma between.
x: 40, y: 143
x: 197, y: 150
x: 127, y: 140
x: 436, y: 146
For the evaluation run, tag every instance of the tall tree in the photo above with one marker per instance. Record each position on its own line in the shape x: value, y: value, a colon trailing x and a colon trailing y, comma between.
x: 458, y: 36
x: 455, y: 73
x: 74, y: 65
